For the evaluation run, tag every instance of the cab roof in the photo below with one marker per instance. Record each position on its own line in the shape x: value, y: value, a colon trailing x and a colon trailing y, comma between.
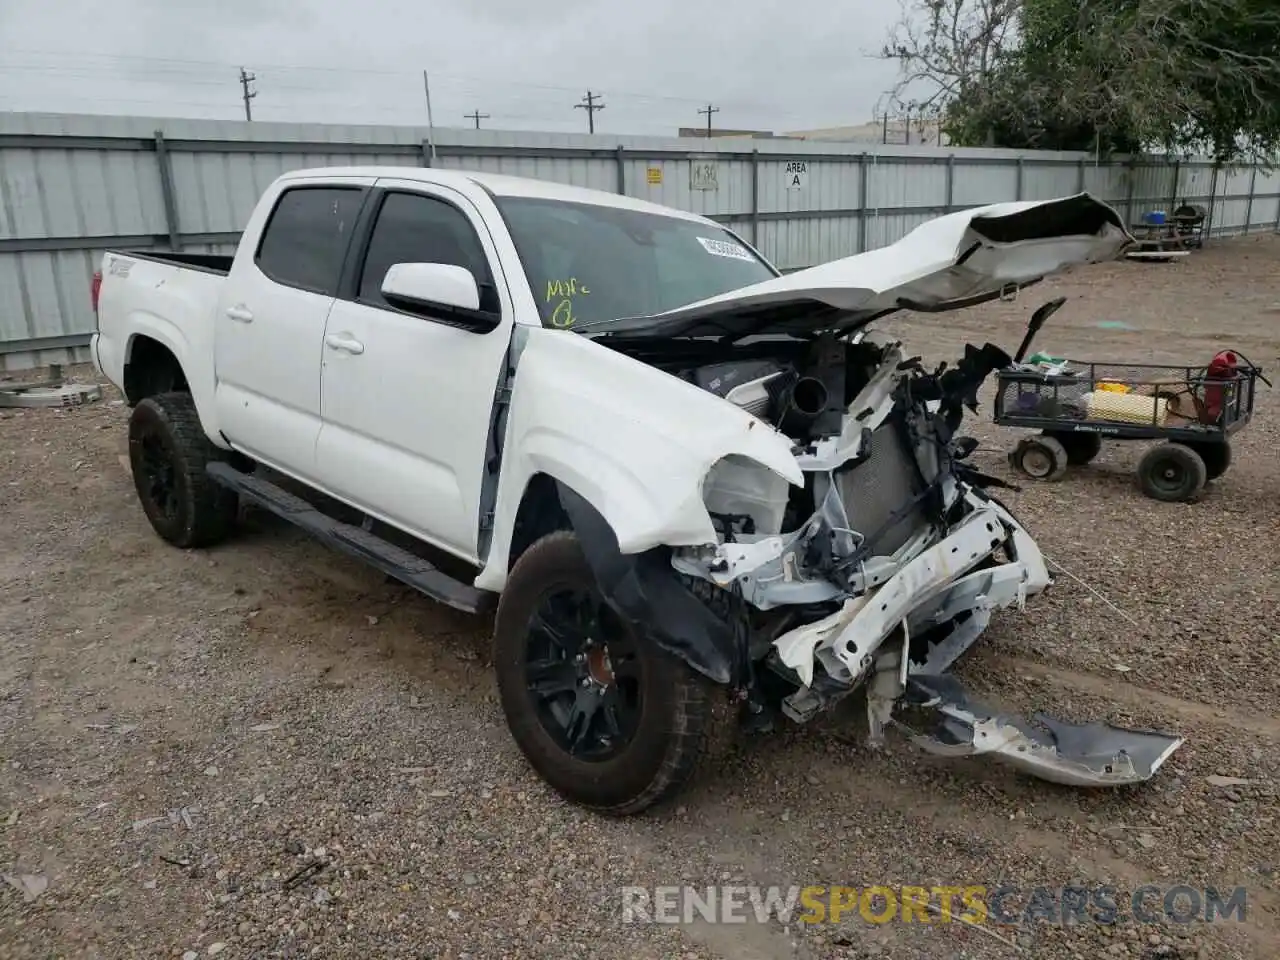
x: 499, y: 185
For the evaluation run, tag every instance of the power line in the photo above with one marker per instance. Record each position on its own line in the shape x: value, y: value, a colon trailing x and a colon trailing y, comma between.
x: 709, y: 110
x: 79, y: 58
x: 477, y: 116
x: 246, y: 93
x: 589, y: 104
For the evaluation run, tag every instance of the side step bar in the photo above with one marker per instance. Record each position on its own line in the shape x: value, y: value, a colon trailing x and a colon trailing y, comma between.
x: 354, y: 541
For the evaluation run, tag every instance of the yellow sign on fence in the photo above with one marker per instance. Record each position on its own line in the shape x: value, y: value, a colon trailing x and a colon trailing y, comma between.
x: 653, y: 174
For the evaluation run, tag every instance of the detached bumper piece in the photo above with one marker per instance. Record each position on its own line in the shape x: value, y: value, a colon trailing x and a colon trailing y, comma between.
x: 1078, y: 755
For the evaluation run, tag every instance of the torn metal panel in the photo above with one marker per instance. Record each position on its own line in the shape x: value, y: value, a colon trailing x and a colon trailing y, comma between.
x: 641, y: 590
x: 1072, y: 754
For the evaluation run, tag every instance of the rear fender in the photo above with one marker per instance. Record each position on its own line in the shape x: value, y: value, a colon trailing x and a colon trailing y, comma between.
x: 170, y: 336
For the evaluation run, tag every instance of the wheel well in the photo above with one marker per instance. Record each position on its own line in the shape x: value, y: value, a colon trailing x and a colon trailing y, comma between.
x: 151, y: 369
x: 540, y: 512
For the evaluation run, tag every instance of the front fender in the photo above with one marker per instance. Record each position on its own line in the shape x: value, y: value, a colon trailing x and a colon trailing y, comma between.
x: 631, y: 440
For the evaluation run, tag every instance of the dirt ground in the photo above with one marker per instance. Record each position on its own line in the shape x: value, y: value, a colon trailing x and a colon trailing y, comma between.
x: 182, y: 733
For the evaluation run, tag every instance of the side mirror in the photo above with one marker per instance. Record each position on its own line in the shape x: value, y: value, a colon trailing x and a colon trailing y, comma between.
x: 419, y: 286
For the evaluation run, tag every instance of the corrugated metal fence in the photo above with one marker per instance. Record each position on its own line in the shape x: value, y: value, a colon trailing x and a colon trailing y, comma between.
x: 72, y: 186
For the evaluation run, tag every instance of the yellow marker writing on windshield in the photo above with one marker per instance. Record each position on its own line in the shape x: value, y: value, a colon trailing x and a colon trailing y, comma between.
x: 565, y: 288
x: 562, y: 316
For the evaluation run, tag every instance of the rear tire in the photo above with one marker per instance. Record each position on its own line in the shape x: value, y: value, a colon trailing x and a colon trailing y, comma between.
x: 1216, y: 457
x: 168, y: 453
x: 1081, y: 448
x: 608, y: 720
x: 1172, y: 472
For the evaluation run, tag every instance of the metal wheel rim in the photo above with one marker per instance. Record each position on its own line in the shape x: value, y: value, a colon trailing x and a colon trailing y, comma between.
x: 1168, y: 476
x: 583, y: 675
x: 160, y: 477
x: 1037, y: 462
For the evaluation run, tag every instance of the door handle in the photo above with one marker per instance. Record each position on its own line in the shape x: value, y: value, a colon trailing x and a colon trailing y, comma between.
x: 347, y: 344
x: 240, y: 314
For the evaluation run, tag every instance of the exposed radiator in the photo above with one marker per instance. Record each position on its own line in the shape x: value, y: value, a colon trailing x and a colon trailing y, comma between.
x: 880, y: 485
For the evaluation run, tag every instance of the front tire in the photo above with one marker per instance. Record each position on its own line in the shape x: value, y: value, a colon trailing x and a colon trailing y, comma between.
x: 1172, y: 473
x: 168, y: 453
x: 1041, y: 458
x: 608, y: 720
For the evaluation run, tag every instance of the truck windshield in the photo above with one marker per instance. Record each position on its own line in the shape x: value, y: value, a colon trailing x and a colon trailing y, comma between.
x: 589, y: 263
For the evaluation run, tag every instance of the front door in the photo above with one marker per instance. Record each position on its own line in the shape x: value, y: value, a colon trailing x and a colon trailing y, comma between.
x: 406, y: 399
x: 270, y: 323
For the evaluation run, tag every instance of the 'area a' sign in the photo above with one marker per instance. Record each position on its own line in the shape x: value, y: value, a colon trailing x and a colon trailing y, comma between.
x: 795, y: 174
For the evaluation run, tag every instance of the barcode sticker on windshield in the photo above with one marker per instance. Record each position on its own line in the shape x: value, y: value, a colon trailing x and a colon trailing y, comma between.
x: 726, y: 248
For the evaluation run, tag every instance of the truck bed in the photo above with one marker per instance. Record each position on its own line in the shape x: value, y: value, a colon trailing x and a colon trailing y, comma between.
x: 207, y: 262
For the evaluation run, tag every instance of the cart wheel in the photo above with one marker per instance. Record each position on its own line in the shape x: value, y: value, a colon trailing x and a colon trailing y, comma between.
x: 1216, y: 457
x: 1172, y: 472
x: 1041, y: 458
x: 1081, y: 447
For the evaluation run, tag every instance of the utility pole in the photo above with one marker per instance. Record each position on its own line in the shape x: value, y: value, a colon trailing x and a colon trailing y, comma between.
x: 431, y: 124
x: 709, y: 110
x: 246, y: 93
x: 589, y: 104
x: 477, y: 116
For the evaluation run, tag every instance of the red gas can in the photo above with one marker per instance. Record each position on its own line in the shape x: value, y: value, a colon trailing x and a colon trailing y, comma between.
x: 1222, y: 367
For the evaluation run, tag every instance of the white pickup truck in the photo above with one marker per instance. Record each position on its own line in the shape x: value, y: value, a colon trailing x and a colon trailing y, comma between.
x: 693, y: 488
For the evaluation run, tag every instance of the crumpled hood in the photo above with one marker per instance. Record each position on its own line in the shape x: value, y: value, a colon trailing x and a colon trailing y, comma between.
x: 945, y: 263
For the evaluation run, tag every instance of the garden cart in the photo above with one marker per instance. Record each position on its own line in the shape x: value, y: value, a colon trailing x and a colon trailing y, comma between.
x: 1192, y: 411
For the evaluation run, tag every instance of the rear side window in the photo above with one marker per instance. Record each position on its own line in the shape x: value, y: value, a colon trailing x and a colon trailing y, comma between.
x: 307, y: 235
x: 413, y: 228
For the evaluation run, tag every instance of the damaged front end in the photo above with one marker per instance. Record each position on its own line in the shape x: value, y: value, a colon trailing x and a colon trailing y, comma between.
x: 889, y: 564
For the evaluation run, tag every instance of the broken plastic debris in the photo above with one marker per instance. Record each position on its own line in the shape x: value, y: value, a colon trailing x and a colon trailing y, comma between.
x: 1218, y: 781
x: 30, y: 885
x: 1074, y: 754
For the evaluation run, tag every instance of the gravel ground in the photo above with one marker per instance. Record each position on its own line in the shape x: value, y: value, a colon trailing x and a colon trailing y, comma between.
x: 268, y: 750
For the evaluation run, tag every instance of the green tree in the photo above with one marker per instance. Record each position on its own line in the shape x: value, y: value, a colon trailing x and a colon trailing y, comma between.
x: 1120, y: 75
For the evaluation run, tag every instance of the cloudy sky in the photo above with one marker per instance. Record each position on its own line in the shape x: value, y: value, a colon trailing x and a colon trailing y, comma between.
x: 767, y: 64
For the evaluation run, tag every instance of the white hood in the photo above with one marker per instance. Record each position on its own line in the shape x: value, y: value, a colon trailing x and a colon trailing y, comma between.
x: 946, y: 263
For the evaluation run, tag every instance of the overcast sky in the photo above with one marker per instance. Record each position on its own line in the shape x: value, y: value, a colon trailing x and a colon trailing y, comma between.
x: 782, y: 65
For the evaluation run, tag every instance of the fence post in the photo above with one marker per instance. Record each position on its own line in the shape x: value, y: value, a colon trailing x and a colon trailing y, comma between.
x: 1173, y: 188
x: 1131, y: 168
x: 951, y: 182
x: 755, y: 197
x: 426, y: 153
x: 1020, y: 176
x: 1080, y: 176
x: 864, y: 173
x: 1213, y: 193
x: 1248, y: 210
x: 166, y: 192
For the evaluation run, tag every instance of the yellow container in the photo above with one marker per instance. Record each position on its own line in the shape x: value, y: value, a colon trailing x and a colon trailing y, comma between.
x: 1126, y: 408
x: 1114, y: 387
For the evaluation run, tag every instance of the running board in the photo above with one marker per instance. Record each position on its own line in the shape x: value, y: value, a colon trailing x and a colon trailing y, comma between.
x: 1073, y: 754
x: 392, y: 560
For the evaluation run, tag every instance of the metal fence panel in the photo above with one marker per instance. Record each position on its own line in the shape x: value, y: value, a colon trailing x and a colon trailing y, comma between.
x: 72, y: 186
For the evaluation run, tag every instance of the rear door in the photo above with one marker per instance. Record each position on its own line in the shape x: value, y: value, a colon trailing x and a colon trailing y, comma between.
x: 270, y: 321
x: 406, y: 398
